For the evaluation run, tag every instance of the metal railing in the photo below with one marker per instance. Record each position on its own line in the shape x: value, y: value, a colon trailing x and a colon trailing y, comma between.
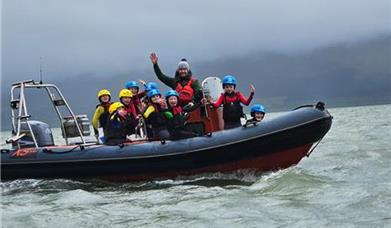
x: 19, y: 112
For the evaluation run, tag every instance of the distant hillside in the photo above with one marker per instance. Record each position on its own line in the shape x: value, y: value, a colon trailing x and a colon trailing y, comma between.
x: 342, y: 74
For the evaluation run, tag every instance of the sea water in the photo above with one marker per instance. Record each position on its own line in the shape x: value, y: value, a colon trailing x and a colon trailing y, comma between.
x: 346, y: 182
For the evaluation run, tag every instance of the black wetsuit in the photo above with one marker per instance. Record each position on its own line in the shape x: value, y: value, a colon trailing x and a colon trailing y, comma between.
x: 176, y: 125
x: 118, y: 128
x: 157, y: 124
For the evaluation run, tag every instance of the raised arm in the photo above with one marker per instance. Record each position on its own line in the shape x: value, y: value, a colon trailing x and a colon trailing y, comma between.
x: 245, y: 101
x: 169, y: 81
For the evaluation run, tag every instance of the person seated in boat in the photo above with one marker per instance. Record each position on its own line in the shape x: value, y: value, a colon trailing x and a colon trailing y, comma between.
x: 119, y: 125
x: 137, y: 96
x: 188, y: 88
x: 102, y: 111
x: 148, y: 86
x: 125, y: 97
x: 231, y: 100
x: 257, y: 112
x: 154, y: 116
x: 177, y: 117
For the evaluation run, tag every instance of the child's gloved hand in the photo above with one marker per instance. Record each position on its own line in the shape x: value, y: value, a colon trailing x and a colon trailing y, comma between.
x: 168, y: 115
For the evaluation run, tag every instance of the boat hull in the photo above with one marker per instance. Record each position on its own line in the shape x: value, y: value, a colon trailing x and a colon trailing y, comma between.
x: 269, y: 146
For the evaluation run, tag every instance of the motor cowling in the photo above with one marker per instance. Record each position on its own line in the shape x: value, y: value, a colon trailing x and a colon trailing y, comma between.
x: 42, y: 133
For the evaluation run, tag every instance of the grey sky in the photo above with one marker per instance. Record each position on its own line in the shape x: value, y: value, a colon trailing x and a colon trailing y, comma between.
x: 109, y: 37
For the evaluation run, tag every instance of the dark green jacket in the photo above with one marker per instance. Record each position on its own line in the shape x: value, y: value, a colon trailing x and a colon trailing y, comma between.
x: 172, y: 82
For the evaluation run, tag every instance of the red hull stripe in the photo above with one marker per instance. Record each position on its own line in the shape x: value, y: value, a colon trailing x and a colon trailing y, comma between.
x: 268, y: 162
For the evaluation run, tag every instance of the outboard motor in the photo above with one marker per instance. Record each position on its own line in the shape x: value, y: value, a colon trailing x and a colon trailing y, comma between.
x: 42, y: 133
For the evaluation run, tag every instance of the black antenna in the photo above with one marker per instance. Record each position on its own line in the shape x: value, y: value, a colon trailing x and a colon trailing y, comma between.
x: 40, y: 70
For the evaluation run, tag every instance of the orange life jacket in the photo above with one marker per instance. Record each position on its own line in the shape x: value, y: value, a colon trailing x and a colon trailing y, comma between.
x: 186, y: 92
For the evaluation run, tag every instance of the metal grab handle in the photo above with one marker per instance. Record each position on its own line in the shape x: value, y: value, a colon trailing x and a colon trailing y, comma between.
x: 15, y: 138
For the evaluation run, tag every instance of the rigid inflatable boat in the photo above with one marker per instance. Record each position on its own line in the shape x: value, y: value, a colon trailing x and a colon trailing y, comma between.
x: 272, y: 144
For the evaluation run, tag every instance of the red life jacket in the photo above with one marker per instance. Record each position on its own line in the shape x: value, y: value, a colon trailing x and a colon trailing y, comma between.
x: 177, y: 110
x: 137, y: 104
x: 229, y: 99
x: 185, y: 92
x: 131, y: 110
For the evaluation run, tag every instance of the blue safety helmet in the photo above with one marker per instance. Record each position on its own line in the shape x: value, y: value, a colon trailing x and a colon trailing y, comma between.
x: 171, y: 93
x: 150, y: 86
x: 131, y: 84
x: 153, y: 92
x: 258, y: 108
x: 229, y: 80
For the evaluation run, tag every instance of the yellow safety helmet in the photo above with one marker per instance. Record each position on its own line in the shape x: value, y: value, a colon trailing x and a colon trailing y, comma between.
x: 125, y: 93
x: 114, y: 106
x: 103, y: 92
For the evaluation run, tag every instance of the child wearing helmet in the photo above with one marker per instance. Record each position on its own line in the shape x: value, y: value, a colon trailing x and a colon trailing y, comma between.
x: 176, y: 117
x: 154, y: 116
x: 101, y: 111
x: 125, y: 97
x: 257, y: 112
x: 148, y: 87
x: 119, y: 125
x: 231, y: 100
x: 137, y: 96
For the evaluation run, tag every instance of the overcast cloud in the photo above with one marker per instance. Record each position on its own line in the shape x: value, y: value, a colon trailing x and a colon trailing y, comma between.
x: 107, y: 37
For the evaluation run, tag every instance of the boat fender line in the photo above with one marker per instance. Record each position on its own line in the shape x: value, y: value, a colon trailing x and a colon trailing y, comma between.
x: 46, y: 150
x: 304, y: 106
x: 320, y: 105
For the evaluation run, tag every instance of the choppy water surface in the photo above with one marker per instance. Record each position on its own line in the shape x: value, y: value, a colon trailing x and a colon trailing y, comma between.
x: 346, y: 182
